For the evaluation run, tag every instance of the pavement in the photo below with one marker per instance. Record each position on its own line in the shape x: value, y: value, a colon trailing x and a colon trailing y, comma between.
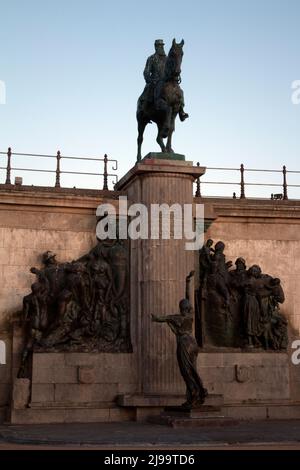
x: 265, y: 434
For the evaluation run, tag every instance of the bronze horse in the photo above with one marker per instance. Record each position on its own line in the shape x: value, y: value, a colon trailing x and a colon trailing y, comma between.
x: 164, y: 103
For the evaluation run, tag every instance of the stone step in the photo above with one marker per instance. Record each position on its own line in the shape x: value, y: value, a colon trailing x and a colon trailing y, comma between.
x: 199, y: 412
x: 70, y: 415
x: 68, y: 405
x: 139, y: 400
x: 176, y: 422
x: 202, y: 415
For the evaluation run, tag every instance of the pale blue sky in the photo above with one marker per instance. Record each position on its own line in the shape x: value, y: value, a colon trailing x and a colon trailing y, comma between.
x: 74, y: 70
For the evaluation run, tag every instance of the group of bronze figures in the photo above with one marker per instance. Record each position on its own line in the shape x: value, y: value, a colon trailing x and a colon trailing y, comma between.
x: 239, y: 307
x: 81, y: 305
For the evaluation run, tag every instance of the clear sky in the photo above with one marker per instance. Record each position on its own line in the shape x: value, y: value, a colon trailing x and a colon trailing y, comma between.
x: 73, y: 71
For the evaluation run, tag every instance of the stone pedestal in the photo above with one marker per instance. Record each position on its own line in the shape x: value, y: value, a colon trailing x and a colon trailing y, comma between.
x: 164, y: 156
x: 203, y: 415
x: 158, y: 271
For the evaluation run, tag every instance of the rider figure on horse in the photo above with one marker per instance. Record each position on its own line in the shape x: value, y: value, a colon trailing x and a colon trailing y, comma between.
x: 154, y: 75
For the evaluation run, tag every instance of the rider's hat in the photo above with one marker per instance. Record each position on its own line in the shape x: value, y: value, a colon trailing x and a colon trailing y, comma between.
x: 159, y: 42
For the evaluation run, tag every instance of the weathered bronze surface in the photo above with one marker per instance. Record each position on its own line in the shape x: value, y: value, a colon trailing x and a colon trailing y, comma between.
x: 187, y: 349
x: 79, y: 306
x: 162, y: 98
x: 238, y: 307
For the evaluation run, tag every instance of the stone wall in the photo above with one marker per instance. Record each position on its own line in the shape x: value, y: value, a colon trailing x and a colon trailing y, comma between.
x: 246, y: 377
x: 77, y: 387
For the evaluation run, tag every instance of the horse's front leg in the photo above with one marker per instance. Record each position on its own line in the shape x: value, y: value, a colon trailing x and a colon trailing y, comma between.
x: 171, y: 130
x: 159, y: 138
x: 141, y: 128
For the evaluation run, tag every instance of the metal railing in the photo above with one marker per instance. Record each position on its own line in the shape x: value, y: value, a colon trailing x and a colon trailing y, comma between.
x: 58, y: 171
x: 242, y: 183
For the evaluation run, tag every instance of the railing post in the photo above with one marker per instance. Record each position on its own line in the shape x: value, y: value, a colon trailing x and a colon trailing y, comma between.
x: 285, y: 195
x: 57, y: 181
x: 8, y: 168
x: 105, y: 186
x: 198, y: 191
x: 242, y: 169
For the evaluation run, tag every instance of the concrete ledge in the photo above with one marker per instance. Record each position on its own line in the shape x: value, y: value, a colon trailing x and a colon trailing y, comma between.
x: 262, y: 411
x: 242, y: 210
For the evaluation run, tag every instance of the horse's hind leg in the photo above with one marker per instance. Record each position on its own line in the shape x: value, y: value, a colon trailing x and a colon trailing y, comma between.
x: 141, y: 128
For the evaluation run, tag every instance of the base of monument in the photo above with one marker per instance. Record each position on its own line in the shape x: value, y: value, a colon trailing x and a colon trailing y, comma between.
x: 75, y: 387
x: 148, y: 406
x: 164, y: 156
x: 85, y: 413
x: 203, y: 415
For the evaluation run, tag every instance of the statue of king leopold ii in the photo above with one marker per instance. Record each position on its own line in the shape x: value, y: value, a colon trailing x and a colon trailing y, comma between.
x: 162, y: 98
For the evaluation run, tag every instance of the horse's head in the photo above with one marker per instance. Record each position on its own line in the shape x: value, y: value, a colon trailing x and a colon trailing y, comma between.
x: 173, y: 64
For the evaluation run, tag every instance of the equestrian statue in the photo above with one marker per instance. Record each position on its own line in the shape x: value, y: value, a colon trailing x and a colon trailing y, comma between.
x: 162, y: 98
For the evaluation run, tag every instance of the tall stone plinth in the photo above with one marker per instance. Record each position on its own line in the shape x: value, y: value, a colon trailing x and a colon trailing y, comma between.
x: 158, y: 271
